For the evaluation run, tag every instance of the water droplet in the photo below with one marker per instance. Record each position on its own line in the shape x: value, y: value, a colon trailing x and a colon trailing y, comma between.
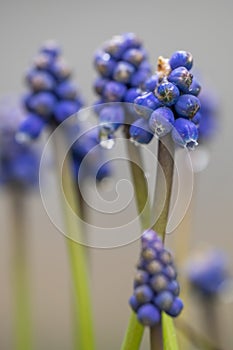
x: 22, y: 138
x: 107, y: 140
x: 107, y: 144
x: 134, y: 141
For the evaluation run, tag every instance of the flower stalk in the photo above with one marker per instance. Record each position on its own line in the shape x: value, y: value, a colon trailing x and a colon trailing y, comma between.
x: 84, y: 330
x: 22, y: 317
x: 164, y: 172
x: 135, y: 330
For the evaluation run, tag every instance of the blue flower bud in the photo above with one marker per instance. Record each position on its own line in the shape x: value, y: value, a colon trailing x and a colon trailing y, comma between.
x: 99, y: 85
x: 43, y: 103
x: 181, y: 59
x: 65, y: 109
x: 170, y: 272
x: 139, y: 77
x: 146, y: 104
x: 67, y: 90
x: 30, y: 128
x: 161, y: 121
x: 60, y: 70
x: 148, y: 315
x: 143, y: 293
x: 134, y: 303
x: 194, y: 88
x: 132, y: 40
x: 51, y: 48
x: 148, y: 254
x: 111, y: 117
x: 139, y: 131
x: 132, y: 94
x: 141, y: 277
x: 123, y: 72
x: 114, y: 91
x: 104, y: 63
x: 43, y: 61
x: 187, y: 106
x: 174, y: 287
x: 182, y: 78
x: 134, y: 56
x: 116, y: 46
x: 197, y: 118
x: 152, y: 83
x: 39, y: 80
x: 167, y: 93
x: 164, y: 300
x: 176, y: 308
x: 154, y: 267
x: 165, y: 257
x: 185, y: 133
x: 159, y: 282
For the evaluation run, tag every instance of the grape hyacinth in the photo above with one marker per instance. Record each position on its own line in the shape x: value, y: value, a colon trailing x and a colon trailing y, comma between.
x: 52, y: 96
x: 170, y: 103
x: 19, y: 163
x: 155, y: 286
x: 89, y: 158
x: 207, y: 272
x: 123, y: 67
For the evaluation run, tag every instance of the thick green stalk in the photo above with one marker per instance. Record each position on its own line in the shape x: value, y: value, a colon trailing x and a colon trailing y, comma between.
x: 163, y: 189
x: 84, y: 332
x: 162, y: 195
x: 22, y: 319
x: 135, y: 330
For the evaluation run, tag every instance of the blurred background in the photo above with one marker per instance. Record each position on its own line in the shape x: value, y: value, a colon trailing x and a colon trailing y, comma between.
x: 202, y: 28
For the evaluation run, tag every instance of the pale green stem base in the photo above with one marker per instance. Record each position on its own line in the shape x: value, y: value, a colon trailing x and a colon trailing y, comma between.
x: 84, y: 330
x: 164, y: 172
x: 134, y: 332
x: 22, y: 317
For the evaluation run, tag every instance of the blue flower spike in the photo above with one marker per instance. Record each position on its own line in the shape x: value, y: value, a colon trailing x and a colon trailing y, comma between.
x: 123, y: 67
x: 207, y: 272
x: 155, y: 286
x: 19, y: 163
x: 169, y: 101
x: 52, y: 96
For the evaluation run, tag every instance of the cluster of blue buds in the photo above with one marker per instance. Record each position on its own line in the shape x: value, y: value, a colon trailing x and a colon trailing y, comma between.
x: 19, y: 163
x: 89, y: 158
x: 170, y: 103
x: 155, y: 286
x: 207, y: 272
x: 123, y: 67
x: 53, y: 97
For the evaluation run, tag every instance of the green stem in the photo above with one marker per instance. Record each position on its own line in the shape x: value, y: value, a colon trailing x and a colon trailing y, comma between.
x: 164, y: 173
x: 84, y: 332
x: 22, y: 319
x: 135, y: 330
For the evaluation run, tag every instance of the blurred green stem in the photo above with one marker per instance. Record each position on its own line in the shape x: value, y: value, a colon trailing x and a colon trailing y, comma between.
x: 84, y: 329
x: 135, y: 330
x: 164, y: 173
x: 22, y: 317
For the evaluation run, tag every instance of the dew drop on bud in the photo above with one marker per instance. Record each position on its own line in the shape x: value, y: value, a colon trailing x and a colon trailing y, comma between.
x: 107, y: 140
x: 107, y: 144
x: 22, y: 138
x: 134, y: 141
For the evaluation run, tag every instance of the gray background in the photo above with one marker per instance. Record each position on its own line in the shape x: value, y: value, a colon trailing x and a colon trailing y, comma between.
x: 205, y: 29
